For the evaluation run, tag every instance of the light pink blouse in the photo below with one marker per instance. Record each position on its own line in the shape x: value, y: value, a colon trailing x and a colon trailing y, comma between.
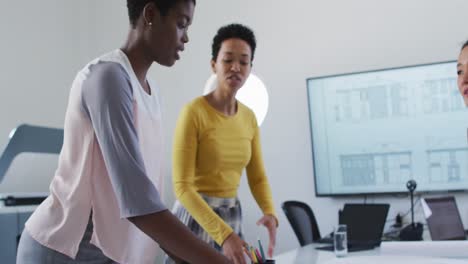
x: 83, y: 181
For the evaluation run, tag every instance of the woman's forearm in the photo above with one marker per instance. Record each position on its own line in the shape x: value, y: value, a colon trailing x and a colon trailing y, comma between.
x: 164, y: 228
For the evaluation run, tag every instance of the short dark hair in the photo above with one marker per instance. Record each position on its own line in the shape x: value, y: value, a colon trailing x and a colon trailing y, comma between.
x: 464, y: 45
x: 230, y: 31
x: 135, y: 7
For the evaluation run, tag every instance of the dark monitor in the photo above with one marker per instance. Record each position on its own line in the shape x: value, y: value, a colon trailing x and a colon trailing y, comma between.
x: 365, y: 222
x: 444, y: 221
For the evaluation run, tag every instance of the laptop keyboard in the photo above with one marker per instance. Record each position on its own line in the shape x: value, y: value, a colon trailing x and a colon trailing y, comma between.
x: 325, y: 240
x: 351, y: 248
x: 328, y: 239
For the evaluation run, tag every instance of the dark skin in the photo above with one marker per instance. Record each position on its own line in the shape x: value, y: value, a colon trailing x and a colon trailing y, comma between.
x: 157, y: 38
x: 137, y: 54
x: 165, y: 228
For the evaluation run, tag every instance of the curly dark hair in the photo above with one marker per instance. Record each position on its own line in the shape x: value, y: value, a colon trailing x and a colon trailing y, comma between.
x: 464, y: 45
x: 230, y: 31
x: 135, y: 7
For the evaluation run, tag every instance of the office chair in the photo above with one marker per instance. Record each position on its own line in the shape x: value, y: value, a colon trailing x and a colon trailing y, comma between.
x: 302, y: 221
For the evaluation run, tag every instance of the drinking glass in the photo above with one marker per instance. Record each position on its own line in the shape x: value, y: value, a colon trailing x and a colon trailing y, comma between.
x: 340, y: 241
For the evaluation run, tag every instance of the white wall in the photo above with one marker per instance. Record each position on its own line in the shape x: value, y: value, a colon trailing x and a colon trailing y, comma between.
x: 45, y: 42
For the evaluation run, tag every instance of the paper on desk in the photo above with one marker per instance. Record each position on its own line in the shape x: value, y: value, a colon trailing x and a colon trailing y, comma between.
x: 451, y: 249
x: 427, y: 211
x: 392, y: 260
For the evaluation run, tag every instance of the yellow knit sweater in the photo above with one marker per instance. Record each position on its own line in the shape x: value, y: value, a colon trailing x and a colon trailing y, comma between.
x: 210, y: 152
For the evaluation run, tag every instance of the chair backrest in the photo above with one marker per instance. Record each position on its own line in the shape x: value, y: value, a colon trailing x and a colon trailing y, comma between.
x: 302, y: 220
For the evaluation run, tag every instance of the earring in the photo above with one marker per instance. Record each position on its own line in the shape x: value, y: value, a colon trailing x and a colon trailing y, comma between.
x: 150, y: 24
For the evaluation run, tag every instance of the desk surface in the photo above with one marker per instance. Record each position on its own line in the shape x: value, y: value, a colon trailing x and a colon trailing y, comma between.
x: 310, y: 255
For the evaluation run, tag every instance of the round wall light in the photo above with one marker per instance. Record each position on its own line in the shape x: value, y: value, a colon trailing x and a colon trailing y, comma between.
x: 253, y: 94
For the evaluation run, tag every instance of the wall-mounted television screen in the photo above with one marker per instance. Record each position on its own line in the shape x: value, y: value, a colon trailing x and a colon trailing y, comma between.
x: 373, y: 131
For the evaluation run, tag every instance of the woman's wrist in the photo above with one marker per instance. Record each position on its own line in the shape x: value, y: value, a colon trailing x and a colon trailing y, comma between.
x: 274, y: 217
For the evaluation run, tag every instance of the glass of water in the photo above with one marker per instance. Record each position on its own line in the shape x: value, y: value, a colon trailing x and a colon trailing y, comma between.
x: 340, y: 241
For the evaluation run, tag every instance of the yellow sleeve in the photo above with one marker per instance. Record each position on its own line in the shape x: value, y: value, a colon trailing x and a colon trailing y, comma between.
x: 258, y: 182
x: 184, y: 163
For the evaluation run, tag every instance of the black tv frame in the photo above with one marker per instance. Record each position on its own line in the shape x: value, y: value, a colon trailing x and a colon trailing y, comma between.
x: 365, y: 194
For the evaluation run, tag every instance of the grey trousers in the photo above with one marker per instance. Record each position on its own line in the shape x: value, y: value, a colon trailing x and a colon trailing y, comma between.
x: 229, y: 209
x: 31, y: 252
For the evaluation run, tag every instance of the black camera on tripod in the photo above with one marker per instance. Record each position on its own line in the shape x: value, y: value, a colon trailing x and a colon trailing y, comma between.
x: 413, y: 231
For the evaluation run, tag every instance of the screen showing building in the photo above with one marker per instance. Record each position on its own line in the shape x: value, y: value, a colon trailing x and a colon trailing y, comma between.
x: 373, y: 131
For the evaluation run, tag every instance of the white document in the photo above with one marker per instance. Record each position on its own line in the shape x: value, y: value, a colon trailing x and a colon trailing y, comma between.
x: 427, y: 211
x: 449, y: 249
x: 393, y: 260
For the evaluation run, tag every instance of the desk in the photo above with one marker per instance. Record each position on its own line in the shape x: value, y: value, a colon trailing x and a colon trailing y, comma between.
x: 310, y: 255
x: 12, y: 221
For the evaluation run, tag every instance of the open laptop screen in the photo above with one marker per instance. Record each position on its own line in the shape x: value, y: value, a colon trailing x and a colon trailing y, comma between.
x: 444, y: 219
x: 365, y: 222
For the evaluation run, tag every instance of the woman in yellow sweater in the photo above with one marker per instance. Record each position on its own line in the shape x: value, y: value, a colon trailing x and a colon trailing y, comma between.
x: 216, y: 138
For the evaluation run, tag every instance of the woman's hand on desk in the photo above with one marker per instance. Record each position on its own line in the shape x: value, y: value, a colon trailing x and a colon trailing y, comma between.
x: 269, y: 221
x: 233, y: 248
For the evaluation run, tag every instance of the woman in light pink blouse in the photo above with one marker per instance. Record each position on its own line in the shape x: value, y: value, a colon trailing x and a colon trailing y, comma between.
x: 104, y: 204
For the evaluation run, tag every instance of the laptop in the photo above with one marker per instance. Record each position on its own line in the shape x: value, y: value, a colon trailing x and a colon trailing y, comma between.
x: 365, y: 225
x: 443, y: 219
